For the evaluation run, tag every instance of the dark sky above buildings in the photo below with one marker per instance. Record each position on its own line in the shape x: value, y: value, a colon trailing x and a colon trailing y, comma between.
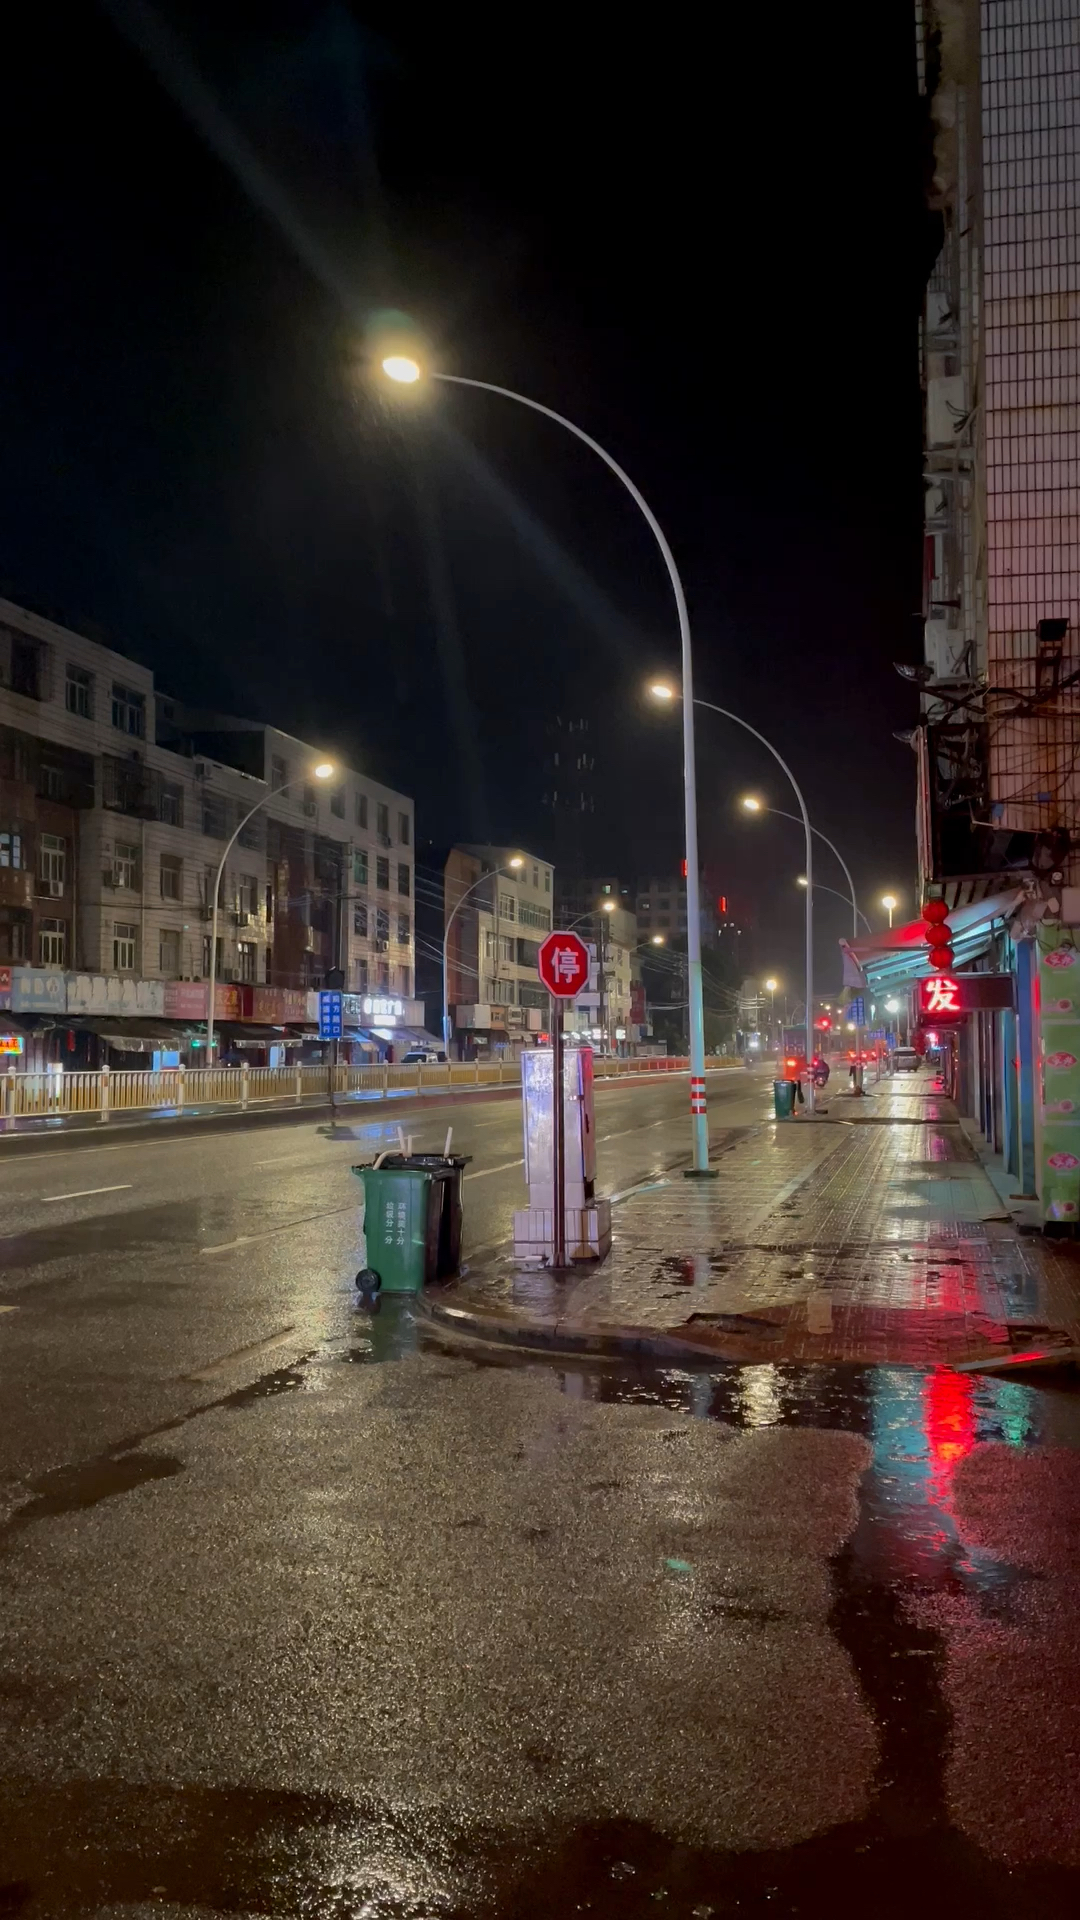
x: 705, y: 243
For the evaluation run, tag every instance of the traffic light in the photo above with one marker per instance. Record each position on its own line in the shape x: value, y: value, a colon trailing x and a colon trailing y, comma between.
x: 938, y: 934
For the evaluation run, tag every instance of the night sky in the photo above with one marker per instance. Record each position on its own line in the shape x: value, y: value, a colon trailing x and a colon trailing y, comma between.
x: 707, y: 250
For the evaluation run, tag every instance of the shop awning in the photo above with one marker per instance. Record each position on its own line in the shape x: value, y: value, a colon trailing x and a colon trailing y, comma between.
x: 249, y: 1033
x: 140, y: 1035
x: 896, y: 959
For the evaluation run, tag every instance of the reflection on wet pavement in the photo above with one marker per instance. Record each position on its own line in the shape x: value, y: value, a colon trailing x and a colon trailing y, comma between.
x: 851, y: 1593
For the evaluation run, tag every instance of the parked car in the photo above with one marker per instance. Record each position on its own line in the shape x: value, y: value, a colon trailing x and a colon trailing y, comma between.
x: 422, y: 1056
x: 905, y: 1060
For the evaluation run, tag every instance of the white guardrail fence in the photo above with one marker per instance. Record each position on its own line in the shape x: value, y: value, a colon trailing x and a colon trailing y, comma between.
x: 173, y: 1089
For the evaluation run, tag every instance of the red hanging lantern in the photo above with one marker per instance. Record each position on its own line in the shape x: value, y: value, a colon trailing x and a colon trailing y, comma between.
x: 935, y: 913
x: 941, y: 959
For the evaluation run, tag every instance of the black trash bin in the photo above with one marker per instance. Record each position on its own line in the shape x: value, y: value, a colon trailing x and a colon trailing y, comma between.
x: 448, y: 1174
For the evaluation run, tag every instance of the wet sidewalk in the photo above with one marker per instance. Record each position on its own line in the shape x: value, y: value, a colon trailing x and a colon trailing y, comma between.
x: 867, y: 1233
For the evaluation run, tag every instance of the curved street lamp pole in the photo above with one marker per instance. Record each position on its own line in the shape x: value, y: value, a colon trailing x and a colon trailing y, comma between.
x: 494, y: 874
x: 856, y: 911
x: 321, y: 772
x: 820, y: 887
x: 809, y: 832
x: 693, y: 905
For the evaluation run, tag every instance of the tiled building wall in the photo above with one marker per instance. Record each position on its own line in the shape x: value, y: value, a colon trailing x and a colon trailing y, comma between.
x: 1030, y: 104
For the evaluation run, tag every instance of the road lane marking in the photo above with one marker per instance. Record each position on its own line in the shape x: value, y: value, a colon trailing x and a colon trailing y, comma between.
x: 84, y: 1192
x: 9, y: 1309
x: 482, y: 1172
x: 225, y: 1246
x: 284, y: 1226
x: 227, y: 1360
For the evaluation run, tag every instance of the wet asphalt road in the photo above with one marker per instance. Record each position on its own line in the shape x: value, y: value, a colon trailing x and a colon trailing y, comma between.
x: 347, y: 1625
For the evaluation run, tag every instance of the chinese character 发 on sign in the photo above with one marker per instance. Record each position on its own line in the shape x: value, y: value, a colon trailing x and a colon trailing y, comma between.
x: 329, y: 1016
x: 563, y: 965
x: 939, y: 995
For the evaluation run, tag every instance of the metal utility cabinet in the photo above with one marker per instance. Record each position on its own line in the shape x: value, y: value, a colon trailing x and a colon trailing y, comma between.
x: 588, y: 1217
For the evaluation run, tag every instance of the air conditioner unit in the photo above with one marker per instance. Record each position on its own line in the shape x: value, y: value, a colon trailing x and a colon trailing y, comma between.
x: 206, y: 913
x: 381, y: 946
x: 384, y: 840
x: 52, y: 889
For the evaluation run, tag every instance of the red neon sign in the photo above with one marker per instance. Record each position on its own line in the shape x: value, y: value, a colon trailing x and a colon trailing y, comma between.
x: 940, y: 995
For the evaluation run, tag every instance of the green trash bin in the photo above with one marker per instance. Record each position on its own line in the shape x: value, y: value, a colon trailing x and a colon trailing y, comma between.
x: 783, y: 1095
x: 412, y: 1221
x: 401, y: 1227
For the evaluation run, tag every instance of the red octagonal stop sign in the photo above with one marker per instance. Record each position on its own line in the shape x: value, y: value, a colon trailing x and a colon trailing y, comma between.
x: 563, y: 964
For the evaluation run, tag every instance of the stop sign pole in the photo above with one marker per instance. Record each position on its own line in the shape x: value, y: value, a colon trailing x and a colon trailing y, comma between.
x: 563, y: 966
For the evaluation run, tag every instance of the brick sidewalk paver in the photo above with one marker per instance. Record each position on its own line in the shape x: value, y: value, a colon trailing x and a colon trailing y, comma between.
x: 836, y: 1239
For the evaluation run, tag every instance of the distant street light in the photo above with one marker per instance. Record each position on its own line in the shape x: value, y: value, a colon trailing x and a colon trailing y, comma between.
x: 323, y: 770
x: 820, y: 887
x: 512, y: 864
x: 405, y: 370
x: 751, y: 804
x: 890, y: 902
x: 770, y: 988
x: 661, y: 690
x: 657, y: 940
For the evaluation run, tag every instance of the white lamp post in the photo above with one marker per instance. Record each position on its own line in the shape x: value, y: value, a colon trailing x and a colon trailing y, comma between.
x: 323, y: 771
x: 406, y: 370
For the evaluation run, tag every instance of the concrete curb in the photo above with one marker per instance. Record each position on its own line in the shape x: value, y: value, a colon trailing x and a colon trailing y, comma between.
x: 599, y: 1343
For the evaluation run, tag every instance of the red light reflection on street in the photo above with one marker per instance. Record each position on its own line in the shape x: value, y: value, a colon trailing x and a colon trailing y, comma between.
x: 949, y: 1416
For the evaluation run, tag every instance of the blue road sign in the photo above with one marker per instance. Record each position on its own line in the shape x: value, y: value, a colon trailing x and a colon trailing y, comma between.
x: 856, y: 1012
x: 330, y: 1016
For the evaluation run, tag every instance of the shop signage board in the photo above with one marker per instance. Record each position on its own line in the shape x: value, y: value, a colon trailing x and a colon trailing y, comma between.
x: 187, y: 1000
x: 38, y: 990
x: 949, y: 996
x: 1058, y: 1134
x: 112, y: 993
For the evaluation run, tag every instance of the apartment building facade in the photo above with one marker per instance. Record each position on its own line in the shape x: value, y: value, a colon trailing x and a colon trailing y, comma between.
x: 998, y: 737
x: 114, y: 811
x: 498, y: 905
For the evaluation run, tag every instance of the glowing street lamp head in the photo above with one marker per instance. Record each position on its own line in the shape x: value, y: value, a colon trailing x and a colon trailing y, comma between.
x: 892, y: 1006
x: 658, y: 939
x: 608, y: 906
x: 324, y: 770
x: 515, y: 861
x: 889, y: 901
x: 751, y: 804
x: 399, y: 367
x: 802, y: 881
x: 771, y: 986
x: 660, y: 690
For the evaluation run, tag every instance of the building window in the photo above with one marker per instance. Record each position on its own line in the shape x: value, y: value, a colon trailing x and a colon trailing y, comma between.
x: 128, y: 710
x: 169, y: 952
x: 382, y: 873
x: 247, y: 955
x: 52, y: 943
x: 206, y: 956
x: 383, y: 977
x: 172, y: 877
x: 337, y: 803
x: 506, y: 906
x: 51, y: 864
x: 279, y: 772
x: 52, y: 782
x: 123, y: 946
x: 214, y: 815
x: 27, y: 667
x: 382, y: 823
x: 310, y: 803
x: 359, y: 869
x: 171, y: 806
x: 531, y: 916
x: 404, y: 880
x: 361, y: 809
x: 547, y: 879
x: 403, y: 929
x: 489, y: 946
x: 247, y: 894
x: 506, y: 947
x: 125, y: 865
x: 79, y: 692
x: 11, y: 850
x: 382, y: 924
x: 360, y: 974
x: 403, y: 828
x: 14, y: 929
x: 359, y: 921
